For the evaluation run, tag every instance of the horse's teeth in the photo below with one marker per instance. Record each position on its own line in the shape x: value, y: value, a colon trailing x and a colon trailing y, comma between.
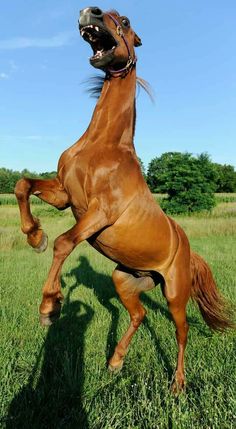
x: 99, y: 53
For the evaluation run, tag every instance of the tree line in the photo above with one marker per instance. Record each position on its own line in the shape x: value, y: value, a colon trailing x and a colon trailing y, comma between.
x: 8, y: 178
x: 188, y: 181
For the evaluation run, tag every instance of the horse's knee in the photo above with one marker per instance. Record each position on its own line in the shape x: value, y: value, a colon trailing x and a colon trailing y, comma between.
x: 22, y: 189
x: 62, y: 247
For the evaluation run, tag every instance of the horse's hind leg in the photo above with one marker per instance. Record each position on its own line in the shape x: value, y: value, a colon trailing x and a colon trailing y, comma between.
x: 177, y: 293
x: 50, y: 191
x: 129, y: 288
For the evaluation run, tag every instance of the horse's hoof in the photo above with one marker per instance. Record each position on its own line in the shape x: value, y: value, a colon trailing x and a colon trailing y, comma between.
x: 177, y: 388
x: 48, y: 319
x: 116, y: 368
x: 43, y: 244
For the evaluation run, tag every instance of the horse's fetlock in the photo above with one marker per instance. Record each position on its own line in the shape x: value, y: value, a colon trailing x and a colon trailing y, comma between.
x: 28, y: 228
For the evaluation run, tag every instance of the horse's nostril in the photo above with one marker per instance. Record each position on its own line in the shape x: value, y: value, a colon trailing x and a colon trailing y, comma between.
x: 96, y: 11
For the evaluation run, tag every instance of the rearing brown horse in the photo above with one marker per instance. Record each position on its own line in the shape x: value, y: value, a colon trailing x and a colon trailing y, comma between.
x: 99, y: 177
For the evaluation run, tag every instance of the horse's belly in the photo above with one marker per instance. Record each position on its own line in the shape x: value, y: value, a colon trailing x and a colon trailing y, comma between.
x: 145, y: 243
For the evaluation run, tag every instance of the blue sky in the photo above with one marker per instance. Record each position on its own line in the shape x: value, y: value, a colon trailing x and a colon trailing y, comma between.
x: 188, y: 56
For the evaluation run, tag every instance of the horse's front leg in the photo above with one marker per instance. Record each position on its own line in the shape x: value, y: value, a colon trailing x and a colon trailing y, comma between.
x: 50, y: 191
x: 90, y: 223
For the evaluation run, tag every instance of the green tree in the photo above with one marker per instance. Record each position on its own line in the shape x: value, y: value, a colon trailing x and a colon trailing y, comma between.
x: 226, y: 178
x: 189, y: 181
x: 8, y: 179
x: 48, y: 175
x: 142, y: 168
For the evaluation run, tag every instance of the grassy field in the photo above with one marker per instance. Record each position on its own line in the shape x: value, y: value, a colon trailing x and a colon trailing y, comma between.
x: 57, y: 377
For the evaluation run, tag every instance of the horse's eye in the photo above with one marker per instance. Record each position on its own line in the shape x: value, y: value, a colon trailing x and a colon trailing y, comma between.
x: 125, y: 22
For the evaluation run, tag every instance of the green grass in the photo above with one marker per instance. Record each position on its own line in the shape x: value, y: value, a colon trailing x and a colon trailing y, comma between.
x: 226, y: 197
x: 10, y: 200
x: 220, y: 197
x: 57, y: 377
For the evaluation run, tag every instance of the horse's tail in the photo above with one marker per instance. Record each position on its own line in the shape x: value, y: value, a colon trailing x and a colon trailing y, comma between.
x: 214, y: 309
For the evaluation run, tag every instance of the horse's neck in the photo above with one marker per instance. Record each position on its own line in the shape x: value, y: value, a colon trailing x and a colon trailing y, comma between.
x: 113, y: 119
x: 114, y: 115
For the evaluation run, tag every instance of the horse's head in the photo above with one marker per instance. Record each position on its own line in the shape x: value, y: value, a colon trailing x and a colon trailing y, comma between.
x: 111, y: 38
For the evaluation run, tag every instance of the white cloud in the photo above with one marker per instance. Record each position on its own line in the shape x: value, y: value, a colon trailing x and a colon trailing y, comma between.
x: 4, y: 75
x: 59, y: 40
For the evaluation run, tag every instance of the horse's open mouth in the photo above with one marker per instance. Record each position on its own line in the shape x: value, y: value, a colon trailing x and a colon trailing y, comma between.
x: 101, y: 41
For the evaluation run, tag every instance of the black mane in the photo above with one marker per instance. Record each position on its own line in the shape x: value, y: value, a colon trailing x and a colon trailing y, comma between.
x: 95, y: 84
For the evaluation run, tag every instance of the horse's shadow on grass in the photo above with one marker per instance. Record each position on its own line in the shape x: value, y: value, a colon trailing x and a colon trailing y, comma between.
x: 104, y: 291
x: 52, y: 400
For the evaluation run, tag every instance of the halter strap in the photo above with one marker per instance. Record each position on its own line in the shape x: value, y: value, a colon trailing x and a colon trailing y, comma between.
x: 131, y: 61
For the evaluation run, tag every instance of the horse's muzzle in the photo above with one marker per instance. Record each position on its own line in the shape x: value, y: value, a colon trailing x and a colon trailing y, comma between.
x: 90, y: 15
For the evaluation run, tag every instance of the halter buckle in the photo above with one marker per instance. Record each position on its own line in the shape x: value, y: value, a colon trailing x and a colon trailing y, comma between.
x: 119, y: 31
x: 129, y: 62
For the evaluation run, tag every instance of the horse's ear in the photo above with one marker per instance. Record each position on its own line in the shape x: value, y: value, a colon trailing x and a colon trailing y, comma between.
x: 137, y: 40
